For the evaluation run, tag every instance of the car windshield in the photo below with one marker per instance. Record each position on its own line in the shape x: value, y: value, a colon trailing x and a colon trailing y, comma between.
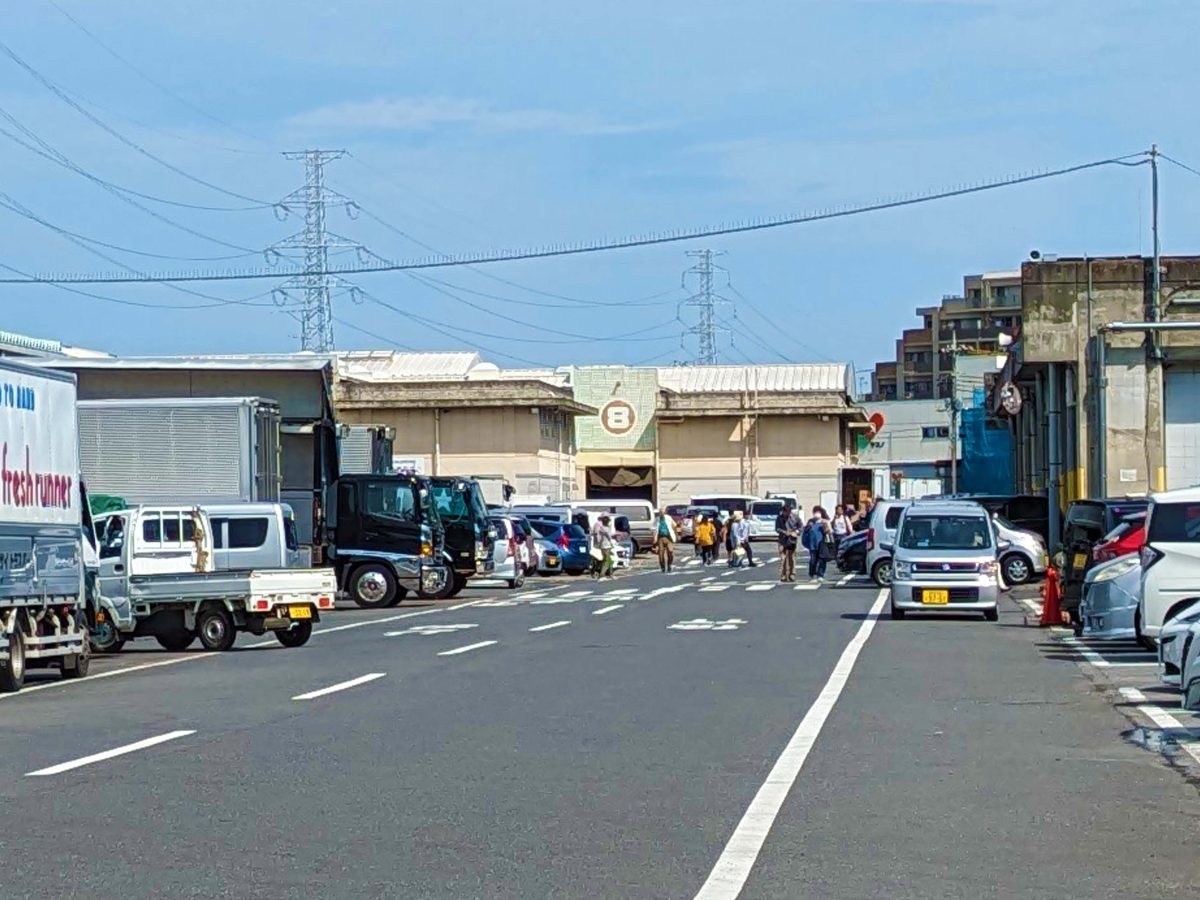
x: 948, y: 532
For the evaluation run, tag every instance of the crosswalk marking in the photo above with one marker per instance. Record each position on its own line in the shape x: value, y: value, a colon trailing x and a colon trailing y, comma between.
x: 716, y: 587
x: 760, y: 587
x: 806, y: 587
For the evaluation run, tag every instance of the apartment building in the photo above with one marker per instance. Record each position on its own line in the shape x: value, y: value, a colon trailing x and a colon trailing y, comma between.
x: 970, y: 322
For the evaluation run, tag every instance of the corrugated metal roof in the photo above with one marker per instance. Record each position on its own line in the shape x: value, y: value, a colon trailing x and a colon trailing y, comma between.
x: 389, y: 365
x: 24, y: 342
x: 550, y: 376
x: 814, y: 378
x: 277, y: 361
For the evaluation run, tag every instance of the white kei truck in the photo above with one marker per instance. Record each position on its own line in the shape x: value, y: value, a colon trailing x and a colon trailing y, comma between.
x: 158, y: 579
x: 43, y: 605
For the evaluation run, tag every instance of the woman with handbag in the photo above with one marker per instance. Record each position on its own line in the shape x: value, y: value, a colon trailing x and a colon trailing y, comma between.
x: 818, y: 535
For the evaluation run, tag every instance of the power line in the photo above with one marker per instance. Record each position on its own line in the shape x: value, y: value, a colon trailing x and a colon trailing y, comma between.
x: 754, y: 309
x: 603, y: 246
x: 100, y: 123
x: 1183, y: 166
x: 152, y: 81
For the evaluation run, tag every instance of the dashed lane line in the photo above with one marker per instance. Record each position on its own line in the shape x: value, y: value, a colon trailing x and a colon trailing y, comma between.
x: 109, y: 754
x: 551, y: 625
x: 341, y: 686
x: 607, y: 609
x: 468, y: 648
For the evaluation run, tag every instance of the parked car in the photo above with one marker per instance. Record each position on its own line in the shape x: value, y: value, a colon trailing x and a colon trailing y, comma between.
x: 1127, y: 537
x: 572, y: 543
x: 852, y: 554
x: 510, y: 554
x: 1085, y: 525
x: 1026, y: 557
x: 1174, y: 641
x: 548, y: 558
x: 762, y: 516
x: 881, y: 529
x: 1170, y: 559
x: 531, y: 545
x: 945, y: 558
x: 683, y: 523
x: 1030, y: 512
x: 638, y: 514
x: 1189, y: 672
x: 1110, y: 599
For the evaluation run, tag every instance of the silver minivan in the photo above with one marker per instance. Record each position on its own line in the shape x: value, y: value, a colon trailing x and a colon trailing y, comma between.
x: 255, y: 536
x: 946, y: 559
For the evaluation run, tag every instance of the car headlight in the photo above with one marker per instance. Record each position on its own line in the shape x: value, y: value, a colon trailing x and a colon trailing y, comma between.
x: 901, y: 571
x: 1116, y: 570
x: 989, y: 568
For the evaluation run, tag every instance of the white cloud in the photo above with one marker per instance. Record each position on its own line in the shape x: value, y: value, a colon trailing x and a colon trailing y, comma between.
x: 427, y: 113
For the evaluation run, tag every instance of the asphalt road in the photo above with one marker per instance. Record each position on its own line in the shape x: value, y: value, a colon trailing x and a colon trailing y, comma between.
x: 708, y: 732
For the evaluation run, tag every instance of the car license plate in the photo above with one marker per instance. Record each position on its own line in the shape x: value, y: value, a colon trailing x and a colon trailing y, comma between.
x: 299, y: 612
x: 935, y: 598
x: 1080, y: 561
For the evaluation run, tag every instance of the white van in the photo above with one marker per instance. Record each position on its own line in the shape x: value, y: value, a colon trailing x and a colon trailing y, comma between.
x: 726, y: 503
x: 1170, y: 560
x: 640, y: 514
x: 255, y: 536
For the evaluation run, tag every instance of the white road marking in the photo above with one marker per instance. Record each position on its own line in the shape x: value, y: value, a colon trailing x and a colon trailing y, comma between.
x: 1034, y: 608
x: 846, y: 579
x: 760, y: 587
x: 340, y: 686
x: 1168, y: 722
x: 578, y: 594
x: 1133, y: 694
x: 534, y: 596
x: 621, y: 592
x: 430, y: 629
x: 658, y: 592
x: 716, y: 587
x: 551, y: 600
x: 608, y: 609
x: 709, y: 625
x: 729, y: 875
x: 467, y: 649
x: 551, y: 625
x: 807, y: 587
x: 109, y: 754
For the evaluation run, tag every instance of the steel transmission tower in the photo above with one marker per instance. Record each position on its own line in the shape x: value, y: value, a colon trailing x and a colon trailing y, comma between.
x: 706, y: 301
x: 309, y: 294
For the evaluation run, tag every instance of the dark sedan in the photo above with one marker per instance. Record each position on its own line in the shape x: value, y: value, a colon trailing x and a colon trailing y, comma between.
x: 572, y: 543
x: 852, y: 554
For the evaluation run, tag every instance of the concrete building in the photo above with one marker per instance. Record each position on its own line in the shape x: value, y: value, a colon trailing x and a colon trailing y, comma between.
x: 971, y: 322
x: 907, y: 447
x: 455, y: 414
x: 754, y: 429
x: 1097, y: 409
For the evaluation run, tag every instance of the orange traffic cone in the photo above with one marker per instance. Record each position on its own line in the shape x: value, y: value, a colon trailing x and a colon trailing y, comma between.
x: 1051, y: 613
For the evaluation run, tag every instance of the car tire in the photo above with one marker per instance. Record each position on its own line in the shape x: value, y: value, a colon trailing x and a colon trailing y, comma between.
x: 214, y: 627
x: 897, y: 613
x: 372, y: 586
x: 1017, y: 569
x: 175, y: 641
x: 12, y: 670
x: 77, y: 664
x: 296, y: 636
x: 992, y: 615
x: 460, y: 582
x: 105, y: 638
x: 881, y: 572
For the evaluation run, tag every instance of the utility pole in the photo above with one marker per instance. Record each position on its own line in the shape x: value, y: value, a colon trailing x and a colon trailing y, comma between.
x: 310, y: 292
x: 954, y: 413
x: 706, y: 301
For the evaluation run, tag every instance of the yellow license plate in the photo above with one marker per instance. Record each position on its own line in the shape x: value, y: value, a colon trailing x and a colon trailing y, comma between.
x: 935, y: 598
x: 1080, y: 561
x: 299, y: 612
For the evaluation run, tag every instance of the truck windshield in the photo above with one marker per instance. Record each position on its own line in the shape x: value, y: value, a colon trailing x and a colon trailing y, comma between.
x: 391, y: 501
x: 451, y: 502
x: 945, y: 533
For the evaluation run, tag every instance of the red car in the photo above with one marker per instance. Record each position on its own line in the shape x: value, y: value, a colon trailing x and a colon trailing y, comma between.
x: 1128, y: 537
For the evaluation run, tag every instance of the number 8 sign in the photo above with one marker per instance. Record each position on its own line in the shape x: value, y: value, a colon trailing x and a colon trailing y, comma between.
x: 618, y: 417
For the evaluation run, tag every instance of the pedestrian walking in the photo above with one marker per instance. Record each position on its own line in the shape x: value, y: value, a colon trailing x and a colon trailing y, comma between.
x: 602, y: 540
x: 787, y: 529
x: 705, y: 534
x: 818, y: 535
x: 740, y: 531
x: 841, y: 524
x: 664, y: 541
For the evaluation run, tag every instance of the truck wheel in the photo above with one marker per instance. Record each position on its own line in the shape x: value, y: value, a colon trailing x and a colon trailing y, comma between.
x: 438, y: 595
x: 12, y: 670
x: 175, y: 641
x: 215, y: 628
x: 296, y: 636
x: 77, y: 665
x: 105, y: 638
x: 373, y: 586
x: 460, y: 582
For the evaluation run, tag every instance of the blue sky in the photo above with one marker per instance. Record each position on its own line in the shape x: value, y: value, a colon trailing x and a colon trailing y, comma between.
x: 507, y: 124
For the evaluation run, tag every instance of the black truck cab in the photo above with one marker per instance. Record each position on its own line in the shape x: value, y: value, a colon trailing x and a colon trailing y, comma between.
x: 470, y: 534
x: 384, y: 537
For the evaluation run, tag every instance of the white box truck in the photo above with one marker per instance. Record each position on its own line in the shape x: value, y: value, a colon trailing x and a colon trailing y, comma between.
x: 42, y: 591
x: 190, y: 450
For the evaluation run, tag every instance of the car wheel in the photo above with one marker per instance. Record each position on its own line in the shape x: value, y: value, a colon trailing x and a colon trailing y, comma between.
x: 296, y: 636
x: 175, y: 641
x: 1017, y: 569
x: 105, y: 638
x: 460, y: 582
x: 897, y: 613
x: 12, y: 670
x: 215, y: 628
x: 77, y: 665
x: 372, y: 586
x: 992, y: 615
x: 881, y: 572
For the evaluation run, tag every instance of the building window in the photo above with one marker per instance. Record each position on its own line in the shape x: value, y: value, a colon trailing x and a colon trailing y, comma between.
x: 551, y: 423
x: 932, y: 432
